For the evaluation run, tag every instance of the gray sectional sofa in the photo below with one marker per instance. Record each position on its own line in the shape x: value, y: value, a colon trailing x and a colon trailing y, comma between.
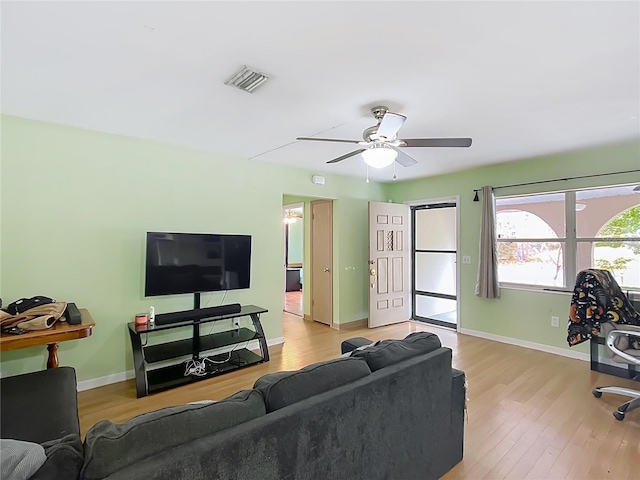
x: 393, y: 410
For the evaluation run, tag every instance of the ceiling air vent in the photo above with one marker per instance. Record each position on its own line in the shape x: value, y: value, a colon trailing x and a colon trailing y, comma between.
x: 247, y: 79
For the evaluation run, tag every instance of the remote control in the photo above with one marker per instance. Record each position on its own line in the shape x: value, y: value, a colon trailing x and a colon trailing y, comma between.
x: 16, y: 331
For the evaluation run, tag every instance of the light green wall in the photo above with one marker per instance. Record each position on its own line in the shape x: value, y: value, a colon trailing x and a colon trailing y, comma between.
x: 351, y: 232
x: 296, y: 241
x: 75, y: 206
x: 524, y: 315
x: 1, y: 149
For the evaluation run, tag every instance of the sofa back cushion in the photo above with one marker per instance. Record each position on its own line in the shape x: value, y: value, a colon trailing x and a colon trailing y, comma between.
x: 110, y: 447
x: 388, y: 352
x: 284, y: 388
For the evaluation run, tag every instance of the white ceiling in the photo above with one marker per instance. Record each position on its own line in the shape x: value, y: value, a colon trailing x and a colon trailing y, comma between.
x: 521, y: 78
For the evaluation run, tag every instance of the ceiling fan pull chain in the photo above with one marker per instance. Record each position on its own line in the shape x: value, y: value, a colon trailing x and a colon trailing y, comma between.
x: 394, y: 171
x: 367, y: 172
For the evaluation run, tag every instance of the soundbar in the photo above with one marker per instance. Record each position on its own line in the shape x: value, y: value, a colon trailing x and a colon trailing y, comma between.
x: 192, y: 315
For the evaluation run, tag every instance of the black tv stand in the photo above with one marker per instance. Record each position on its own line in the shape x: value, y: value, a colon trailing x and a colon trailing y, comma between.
x: 152, y: 376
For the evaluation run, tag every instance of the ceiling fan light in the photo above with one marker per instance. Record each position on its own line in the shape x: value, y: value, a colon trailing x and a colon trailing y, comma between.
x: 379, y: 156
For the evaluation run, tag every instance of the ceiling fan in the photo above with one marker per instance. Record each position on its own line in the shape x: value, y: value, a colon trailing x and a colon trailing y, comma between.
x: 291, y: 216
x: 381, y: 145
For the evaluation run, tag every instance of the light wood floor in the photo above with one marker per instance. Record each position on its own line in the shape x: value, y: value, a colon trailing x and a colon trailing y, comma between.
x: 530, y: 414
x: 293, y: 303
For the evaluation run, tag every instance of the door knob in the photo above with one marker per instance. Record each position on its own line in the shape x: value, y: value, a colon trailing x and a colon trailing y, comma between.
x: 372, y: 272
x: 326, y: 269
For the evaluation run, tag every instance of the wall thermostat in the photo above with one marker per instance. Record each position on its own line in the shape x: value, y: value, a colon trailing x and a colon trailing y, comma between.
x: 318, y: 179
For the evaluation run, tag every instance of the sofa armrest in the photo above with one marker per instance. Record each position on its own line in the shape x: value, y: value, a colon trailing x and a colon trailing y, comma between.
x: 41, y: 406
x: 353, y: 343
x: 458, y: 413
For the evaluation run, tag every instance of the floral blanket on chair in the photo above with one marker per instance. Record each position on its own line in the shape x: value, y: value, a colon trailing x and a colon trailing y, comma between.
x: 597, y: 298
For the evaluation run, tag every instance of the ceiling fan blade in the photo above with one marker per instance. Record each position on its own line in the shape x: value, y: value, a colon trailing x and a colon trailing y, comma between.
x: 390, y: 124
x: 344, y: 157
x: 317, y: 139
x: 404, y: 159
x: 436, y: 142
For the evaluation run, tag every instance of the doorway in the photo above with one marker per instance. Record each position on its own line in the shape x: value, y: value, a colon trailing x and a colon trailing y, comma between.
x: 434, y: 257
x: 294, y: 258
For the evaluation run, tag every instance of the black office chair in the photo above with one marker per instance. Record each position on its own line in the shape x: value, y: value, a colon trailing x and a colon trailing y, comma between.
x: 622, y: 346
x: 599, y: 307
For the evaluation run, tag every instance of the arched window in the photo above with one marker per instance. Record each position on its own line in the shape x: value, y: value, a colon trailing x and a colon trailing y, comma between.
x: 527, y: 259
x: 544, y: 240
x: 614, y: 252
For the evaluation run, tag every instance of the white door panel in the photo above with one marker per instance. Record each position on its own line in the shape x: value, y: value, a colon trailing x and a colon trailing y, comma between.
x: 436, y: 272
x: 436, y: 229
x: 389, y: 287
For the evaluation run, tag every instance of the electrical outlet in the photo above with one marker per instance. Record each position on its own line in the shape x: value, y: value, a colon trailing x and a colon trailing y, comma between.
x: 466, y: 259
x: 555, y: 321
x: 236, y: 323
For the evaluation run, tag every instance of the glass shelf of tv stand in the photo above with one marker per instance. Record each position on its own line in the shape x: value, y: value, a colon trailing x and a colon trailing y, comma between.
x: 174, y: 375
x: 151, y: 376
x: 245, y: 310
x: 180, y: 348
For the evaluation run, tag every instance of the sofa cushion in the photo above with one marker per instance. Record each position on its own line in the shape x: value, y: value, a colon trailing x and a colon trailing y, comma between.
x: 388, y: 352
x: 64, y: 459
x: 109, y: 447
x: 284, y: 388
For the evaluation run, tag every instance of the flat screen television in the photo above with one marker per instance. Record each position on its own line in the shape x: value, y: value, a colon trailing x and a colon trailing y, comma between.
x: 179, y: 263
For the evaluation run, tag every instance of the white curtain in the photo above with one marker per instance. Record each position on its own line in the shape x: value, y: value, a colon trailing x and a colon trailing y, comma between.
x: 487, y: 286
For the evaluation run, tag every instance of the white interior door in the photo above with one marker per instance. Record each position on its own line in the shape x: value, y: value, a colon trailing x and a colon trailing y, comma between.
x: 322, y: 261
x: 389, y: 287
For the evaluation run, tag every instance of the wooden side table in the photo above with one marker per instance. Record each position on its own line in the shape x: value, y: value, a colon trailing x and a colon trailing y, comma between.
x: 51, y: 337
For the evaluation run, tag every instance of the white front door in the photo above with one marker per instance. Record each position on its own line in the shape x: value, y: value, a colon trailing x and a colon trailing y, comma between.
x: 389, y: 287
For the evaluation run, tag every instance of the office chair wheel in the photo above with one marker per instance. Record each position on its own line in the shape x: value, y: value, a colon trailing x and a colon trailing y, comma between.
x: 618, y: 415
x: 597, y: 393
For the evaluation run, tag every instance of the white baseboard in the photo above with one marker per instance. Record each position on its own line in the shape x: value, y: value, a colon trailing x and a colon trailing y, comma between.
x: 106, y: 380
x: 122, y: 376
x: 523, y: 343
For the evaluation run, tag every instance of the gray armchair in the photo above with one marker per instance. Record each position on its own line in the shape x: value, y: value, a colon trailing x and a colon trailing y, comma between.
x: 622, y: 347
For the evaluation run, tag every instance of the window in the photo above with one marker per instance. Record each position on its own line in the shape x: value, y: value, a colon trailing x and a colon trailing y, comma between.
x: 544, y: 240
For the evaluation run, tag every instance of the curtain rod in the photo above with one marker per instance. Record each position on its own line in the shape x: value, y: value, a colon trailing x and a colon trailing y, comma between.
x: 476, y: 190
